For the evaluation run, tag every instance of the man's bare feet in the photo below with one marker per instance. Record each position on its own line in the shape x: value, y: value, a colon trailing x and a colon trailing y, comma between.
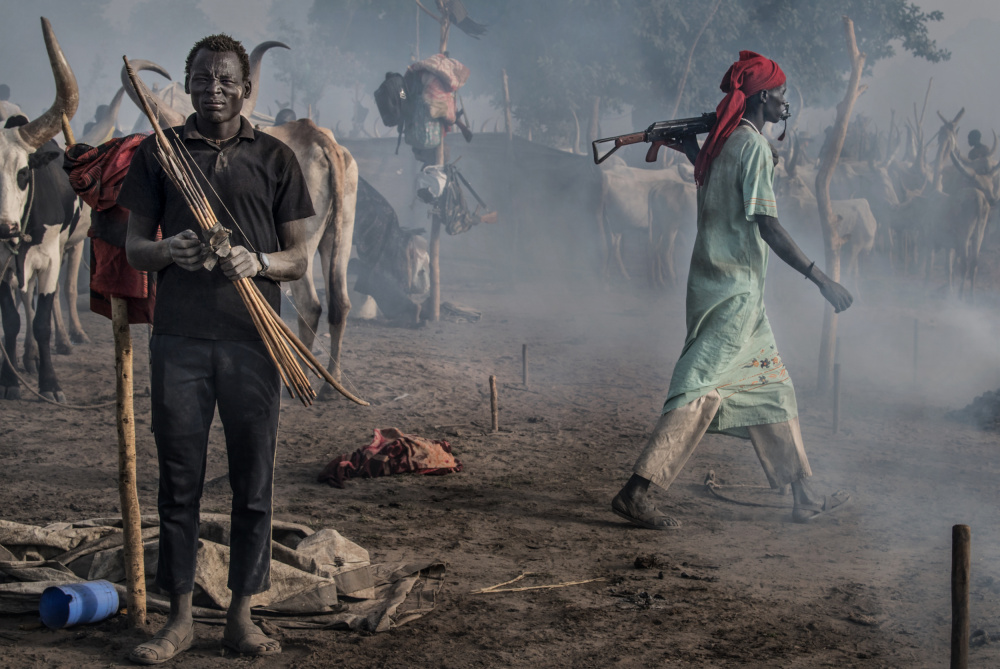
x: 242, y: 635
x: 174, y: 638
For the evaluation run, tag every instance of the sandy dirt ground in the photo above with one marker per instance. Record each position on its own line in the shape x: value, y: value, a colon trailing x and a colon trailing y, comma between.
x: 735, y: 586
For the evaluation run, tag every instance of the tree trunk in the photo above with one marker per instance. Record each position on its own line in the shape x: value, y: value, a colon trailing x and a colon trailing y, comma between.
x: 595, y: 120
x: 687, y: 65
x: 832, y: 241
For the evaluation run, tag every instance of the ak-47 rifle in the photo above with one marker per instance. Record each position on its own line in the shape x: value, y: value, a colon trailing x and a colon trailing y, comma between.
x: 661, y: 133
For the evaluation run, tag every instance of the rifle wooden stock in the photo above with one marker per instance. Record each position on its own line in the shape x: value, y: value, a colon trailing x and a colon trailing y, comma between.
x: 662, y: 133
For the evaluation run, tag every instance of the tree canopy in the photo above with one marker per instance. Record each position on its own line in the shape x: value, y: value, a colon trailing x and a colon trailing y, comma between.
x: 560, y: 54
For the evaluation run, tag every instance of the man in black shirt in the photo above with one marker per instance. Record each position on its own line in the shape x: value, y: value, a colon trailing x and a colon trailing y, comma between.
x: 205, y: 351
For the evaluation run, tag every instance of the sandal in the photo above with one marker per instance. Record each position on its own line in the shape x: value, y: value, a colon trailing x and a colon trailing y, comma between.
x: 247, y: 647
x: 807, y: 514
x: 643, y: 514
x: 178, y: 643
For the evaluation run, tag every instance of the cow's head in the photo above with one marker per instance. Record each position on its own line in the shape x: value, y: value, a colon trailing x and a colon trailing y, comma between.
x: 417, y: 262
x: 19, y: 144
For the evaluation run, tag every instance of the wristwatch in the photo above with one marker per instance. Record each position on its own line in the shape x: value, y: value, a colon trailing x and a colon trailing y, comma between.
x: 265, y: 264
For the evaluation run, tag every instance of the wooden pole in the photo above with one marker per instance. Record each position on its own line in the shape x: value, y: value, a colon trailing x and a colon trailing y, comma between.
x: 961, y: 565
x: 836, y: 397
x: 512, y: 211
x: 916, y: 347
x: 832, y: 240
x: 434, y: 250
x: 508, y: 122
x: 135, y: 573
x: 494, y: 405
x: 524, y: 365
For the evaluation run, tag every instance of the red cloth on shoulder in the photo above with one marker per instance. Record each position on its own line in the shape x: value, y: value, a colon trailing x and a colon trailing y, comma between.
x: 96, y: 173
x: 751, y: 74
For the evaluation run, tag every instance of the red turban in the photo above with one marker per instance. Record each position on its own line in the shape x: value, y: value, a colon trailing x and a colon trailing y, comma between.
x: 752, y: 73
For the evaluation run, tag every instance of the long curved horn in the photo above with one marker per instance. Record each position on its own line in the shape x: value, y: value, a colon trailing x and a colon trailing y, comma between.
x: 960, y: 167
x: 994, y: 149
x: 45, y: 127
x: 165, y: 115
x: 102, y: 130
x: 255, y: 57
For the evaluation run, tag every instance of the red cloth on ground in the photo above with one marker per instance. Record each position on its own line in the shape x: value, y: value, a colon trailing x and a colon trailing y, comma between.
x: 392, y: 452
x: 751, y: 74
x: 96, y: 173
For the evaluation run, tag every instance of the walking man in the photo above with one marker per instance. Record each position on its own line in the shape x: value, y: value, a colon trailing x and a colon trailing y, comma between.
x: 205, y: 351
x: 730, y: 377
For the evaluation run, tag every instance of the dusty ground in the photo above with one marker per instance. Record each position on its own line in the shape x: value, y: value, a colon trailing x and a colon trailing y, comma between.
x: 734, y: 587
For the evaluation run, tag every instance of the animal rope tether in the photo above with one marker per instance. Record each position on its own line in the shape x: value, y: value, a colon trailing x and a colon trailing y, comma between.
x: 282, y: 345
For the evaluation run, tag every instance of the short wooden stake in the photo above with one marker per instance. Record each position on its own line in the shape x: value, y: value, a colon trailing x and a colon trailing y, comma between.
x: 524, y: 365
x: 836, y: 398
x: 961, y: 565
x: 494, y: 408
x: 135, y: 572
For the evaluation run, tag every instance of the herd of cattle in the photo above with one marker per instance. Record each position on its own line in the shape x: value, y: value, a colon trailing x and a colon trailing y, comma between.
x: 911, y: 206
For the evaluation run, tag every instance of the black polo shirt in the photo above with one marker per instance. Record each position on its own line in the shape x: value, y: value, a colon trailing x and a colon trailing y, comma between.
x: 258, y: 179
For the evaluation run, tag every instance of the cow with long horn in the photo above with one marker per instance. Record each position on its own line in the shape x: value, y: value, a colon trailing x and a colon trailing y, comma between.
x: 38, y: 211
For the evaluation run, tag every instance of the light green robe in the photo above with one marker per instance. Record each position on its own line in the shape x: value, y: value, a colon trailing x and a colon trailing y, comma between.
x: 729, y: 345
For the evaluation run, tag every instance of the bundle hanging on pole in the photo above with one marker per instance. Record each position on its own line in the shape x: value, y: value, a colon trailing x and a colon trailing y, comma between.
x: 282, y: 345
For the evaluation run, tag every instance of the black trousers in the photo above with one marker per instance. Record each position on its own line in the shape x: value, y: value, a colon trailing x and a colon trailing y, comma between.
x: 189, y: 377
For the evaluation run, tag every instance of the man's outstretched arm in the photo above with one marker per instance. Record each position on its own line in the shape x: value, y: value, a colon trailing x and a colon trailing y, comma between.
x: 785, y: 248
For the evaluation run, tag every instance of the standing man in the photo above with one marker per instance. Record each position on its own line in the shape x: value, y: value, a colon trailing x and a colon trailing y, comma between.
x: 977, y: 149
x: 730, y: 377
x: 205, y: 351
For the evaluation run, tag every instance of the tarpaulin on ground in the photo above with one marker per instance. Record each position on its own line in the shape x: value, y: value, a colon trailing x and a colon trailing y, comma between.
x: 392, y: 452
x: 319, y: 579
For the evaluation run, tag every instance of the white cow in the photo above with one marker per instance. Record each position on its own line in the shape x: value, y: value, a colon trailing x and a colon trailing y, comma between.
x: 658, y: 202
x: 37, y: 209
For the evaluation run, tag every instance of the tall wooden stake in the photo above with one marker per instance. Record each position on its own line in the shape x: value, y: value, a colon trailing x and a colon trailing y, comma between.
x: 832, y: 241
x: 524, y: 365
x: 961, y: 565
x: 836, y: 397
x: 434, y: 250
x: 512, y: 212
x: 494, y: 405
x: 135, y: 573
x: 128, y: 495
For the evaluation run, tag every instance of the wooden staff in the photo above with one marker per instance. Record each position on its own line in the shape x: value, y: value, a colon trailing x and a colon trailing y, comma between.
x: 836, y: 397
x: 961, y: 564
x: 128, y: 495
x: 135, y: 571
x: 524, y: 365
x: 916, y: 347
x: 494, y: 405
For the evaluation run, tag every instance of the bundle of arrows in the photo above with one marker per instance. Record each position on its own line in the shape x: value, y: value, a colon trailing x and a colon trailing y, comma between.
x: 288, y: 353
